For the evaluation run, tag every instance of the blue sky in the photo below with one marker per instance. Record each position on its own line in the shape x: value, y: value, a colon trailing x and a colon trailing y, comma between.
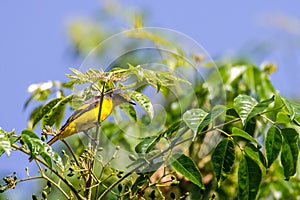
x: 34, y: 44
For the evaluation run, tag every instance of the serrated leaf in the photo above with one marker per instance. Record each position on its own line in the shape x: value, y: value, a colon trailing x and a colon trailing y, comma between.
x: 236, y: 132
x: 52, y: 116
x: 5, y: 145
x: 186, y: 166
x: 255, y: 154
x: 223, y: 158
x: 45, y: 110
x: 37, y: 147
x: 193, y: 118
x: 247, y: 107
x: 144, y: 101
x: 249, y: 178
x: 273, y: 144
x: 289, y: 152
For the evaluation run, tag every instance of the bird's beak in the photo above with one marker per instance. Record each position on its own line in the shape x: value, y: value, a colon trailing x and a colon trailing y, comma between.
x: 132, y: 102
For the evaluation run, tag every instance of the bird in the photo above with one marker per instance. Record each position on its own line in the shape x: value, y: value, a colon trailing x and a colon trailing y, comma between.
x: 86, y: 116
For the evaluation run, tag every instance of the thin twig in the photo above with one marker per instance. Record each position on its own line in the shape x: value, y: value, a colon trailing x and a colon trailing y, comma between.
x: 73, y: 189
x: 52, y: 182
x: 71, y: 151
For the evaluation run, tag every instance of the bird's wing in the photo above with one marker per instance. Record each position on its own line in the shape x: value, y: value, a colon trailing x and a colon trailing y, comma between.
x: 88, y: 105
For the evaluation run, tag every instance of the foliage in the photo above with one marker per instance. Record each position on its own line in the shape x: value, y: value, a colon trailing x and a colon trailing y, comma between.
x: 255, y: 154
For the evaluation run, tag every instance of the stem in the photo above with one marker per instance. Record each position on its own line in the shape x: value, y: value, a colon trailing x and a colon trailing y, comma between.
x: 72, y: 152
x: 57, y: 186
x: 269, y: 120
x: 28, y: 179
x: 89, y: 183
x: 73, y: 189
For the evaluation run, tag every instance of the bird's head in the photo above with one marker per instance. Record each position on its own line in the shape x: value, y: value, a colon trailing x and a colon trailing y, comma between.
x: 119, y: 96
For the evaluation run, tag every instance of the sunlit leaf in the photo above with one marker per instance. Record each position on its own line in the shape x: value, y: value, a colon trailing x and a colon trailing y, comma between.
x: 37, y: 147
x: 173, y: 128
x: 262, y: 85
x: 144, y: 101
x: 217, y: 111
x: 292, y: 107
x: 273, y: 144
x: 193, y: 118
x: 244, y: 104
x: 282, y: 118
x: 261, y: 106
x: 223, y: 158
x: 52, y: 116
x: 45, y: 110
x: 290, y: 151
x: 249, y: 178
x: 255, y: 154
x: 186, y: 166
x: 247, y: 107
x: 236, y: 132
x: 147, y: 144
x: 5, y: 145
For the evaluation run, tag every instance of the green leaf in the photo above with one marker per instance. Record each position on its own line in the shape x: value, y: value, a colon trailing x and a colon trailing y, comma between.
x: 129, y: 111
x: 5, y: 145
x: 255, y: 154
x: 263, y: 86
x: 249, y: 178
x: 45, y: 110
x: 244, y: 104
x: 186, y: 166
x: 292, y: 107
x: 289, y: 152
x: 144, y: 101
x: 38, y: 147
x: 273, y: 144
x: 173, y: 128
x: 33, y: 115
x: 223, y: 158
x: 193, y: 118
x: 60, y: 116
x: 236, y: 132
x: 53, y: 115
x: 261, y: 106
x: 147, y: 144
x: 282, y: 118
x: 216, y: 112
x: 247, y: 107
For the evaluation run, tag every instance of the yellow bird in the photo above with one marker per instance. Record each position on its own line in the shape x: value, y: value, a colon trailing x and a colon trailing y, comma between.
x: 86, y: 116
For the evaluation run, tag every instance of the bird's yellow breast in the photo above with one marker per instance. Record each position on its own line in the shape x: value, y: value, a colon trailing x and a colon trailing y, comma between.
x: 88, y: 119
